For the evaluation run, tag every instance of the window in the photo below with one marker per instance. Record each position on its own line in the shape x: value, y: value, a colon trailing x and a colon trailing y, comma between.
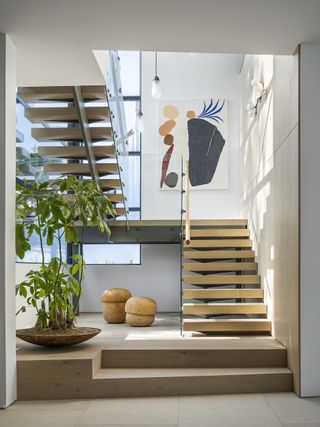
x: 111, y: 254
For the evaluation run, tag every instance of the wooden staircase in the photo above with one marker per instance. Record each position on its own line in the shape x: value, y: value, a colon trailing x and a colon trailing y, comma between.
x: 76, y: 136
x: 221, y: 286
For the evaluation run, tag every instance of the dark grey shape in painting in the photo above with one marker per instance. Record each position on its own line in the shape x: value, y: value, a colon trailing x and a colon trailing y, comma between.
x: 205, y: 147
x: 171, y: 180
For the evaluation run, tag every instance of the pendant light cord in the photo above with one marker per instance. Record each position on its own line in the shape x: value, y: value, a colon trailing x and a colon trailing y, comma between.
x: 156, y: 64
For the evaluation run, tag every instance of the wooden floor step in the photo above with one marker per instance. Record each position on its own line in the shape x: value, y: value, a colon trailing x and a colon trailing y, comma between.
x: 220, y: 266
x: 233, y: 326
x: 60, y: 93
x: 223, y: 294
x: 219, y: 222
x: 65, y: 114
x: 62, y: 152
x: 224, y: 308
x: 218, y: 254
x: 219, y: 243
x: 81, y: 169
x: 70, y: 134
x: 107, y: 184
x: 221, y: 233
x: 209, y: 280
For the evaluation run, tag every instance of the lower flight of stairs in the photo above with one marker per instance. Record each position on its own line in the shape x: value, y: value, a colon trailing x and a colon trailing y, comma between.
x: 221, y: 287
x: 219, y: 368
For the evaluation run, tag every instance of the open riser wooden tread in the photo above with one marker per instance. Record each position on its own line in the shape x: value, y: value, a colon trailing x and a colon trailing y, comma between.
x: 221, y: 285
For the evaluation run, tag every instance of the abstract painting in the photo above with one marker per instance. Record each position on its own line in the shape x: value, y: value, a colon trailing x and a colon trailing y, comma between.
x: 196, y: 129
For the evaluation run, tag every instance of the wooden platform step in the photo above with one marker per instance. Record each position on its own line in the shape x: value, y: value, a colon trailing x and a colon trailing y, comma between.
x: 228, y: 326
x: 100, y: 152
x: 219, y: 222
x: 224, y: 308
x: 220, y: 266
x: 80, y: 168
x: 219, y: 243
x: 60, y: 93
x: 208, y: 280
x: 65, y: 114
x: 223, y: 294
x: 220, y: 233
x: 219, y: 254
x: 70, y: 134
x: 157, y: 367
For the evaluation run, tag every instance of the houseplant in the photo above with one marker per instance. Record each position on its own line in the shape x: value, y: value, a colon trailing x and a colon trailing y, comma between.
x: 51, y: 210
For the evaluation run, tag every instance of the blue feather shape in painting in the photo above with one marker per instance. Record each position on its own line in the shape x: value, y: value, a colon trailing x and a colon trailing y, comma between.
x: 211, y: 112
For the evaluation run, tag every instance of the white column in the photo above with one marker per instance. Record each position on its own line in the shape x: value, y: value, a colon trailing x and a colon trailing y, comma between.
x: 310, y: 219
x: 7, y: 221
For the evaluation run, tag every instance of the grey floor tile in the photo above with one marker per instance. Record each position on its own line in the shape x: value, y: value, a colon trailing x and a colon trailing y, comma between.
x: 131, y: 411
x: 301, y: 425
x: 292, y: 409
x: 228, y: 418
x: 40, y: 405
x: 234, y: 401
x: 36, y: 418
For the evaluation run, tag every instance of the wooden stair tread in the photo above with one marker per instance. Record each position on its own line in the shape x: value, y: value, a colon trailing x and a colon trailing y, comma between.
x: 65, y: 114
x: 224, y: 308
x: 219, y: 222
x: 219, y: 254
x: 60, y: 93
x: 80, y: 168
x: 220, y: 243
x: 228, y: 325
x: 220, y: 266
x: 222, y: 293
x: 124, y: 373
x: 222, y: 280
x: 100, y: 152
x: 70, y: 134
x: 223, y: 232
x: 109, y: 184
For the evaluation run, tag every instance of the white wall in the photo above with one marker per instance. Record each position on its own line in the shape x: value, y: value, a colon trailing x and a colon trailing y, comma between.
x: 157, y: 277
x: 7, y: 221
x: 270, y: 190
x: 27, y: 319
x: 309, y: 219
x: 190, y: 76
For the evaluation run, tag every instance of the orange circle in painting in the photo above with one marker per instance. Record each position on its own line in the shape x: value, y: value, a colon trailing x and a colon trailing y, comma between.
x: 168, y: 139
x: 191, y: 114
x: 167, y: 127
x: 170, y: 112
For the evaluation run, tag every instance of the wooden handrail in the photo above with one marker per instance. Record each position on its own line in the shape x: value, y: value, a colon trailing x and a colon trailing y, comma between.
x: 187, y: 223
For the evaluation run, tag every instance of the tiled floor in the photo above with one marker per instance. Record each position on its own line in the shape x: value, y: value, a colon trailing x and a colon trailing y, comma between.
x: 247, y: 410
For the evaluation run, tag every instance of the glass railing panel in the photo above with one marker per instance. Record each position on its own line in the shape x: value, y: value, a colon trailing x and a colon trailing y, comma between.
x: 121, y: 134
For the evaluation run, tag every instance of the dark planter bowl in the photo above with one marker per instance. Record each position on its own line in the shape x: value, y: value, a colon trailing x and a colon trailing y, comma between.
x: 57, y: 338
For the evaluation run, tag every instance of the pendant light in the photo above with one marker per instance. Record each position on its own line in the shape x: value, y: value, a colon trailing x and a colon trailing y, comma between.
x: 156, y: 90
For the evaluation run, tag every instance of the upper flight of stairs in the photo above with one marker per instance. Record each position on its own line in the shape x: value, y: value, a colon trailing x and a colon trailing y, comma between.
x: 60, y: 142
x: 221, y: 285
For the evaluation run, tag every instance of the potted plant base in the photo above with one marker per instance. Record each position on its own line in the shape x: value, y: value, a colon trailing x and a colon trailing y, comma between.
x: 57, y: 338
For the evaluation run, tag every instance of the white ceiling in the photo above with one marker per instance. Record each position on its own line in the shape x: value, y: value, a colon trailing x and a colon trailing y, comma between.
x: 58, y: 33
